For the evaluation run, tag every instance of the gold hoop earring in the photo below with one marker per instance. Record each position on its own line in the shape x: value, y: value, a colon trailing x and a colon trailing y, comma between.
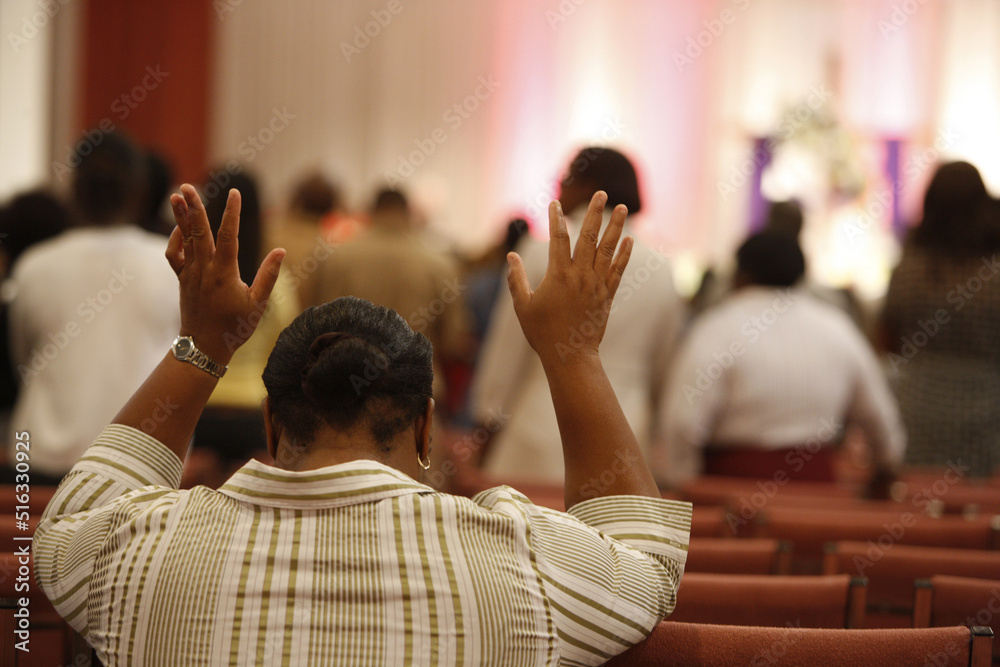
x: 423, y: 465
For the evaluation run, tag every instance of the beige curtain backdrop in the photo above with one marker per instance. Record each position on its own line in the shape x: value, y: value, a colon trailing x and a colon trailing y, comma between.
x: 369, y: 89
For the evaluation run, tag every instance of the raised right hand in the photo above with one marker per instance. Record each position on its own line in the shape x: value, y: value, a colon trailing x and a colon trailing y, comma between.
x: 216, y: 305
x: 565, y: 317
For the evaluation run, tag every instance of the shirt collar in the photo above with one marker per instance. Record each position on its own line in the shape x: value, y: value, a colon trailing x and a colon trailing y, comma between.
x: 350, y: 483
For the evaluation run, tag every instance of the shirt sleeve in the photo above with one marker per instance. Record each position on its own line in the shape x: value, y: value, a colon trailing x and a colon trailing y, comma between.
x: 874, y: 408
x: 86, y: 509
x: 610, y: 569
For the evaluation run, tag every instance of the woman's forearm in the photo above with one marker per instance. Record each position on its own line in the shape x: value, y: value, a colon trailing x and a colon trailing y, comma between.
x: 600, y: 451
x: 169, y: 403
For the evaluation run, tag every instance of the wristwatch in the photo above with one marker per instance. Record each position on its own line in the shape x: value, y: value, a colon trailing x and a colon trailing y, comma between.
x: 185, y: 350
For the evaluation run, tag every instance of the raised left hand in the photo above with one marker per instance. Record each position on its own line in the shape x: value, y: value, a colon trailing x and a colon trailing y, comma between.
x: 217, y: 308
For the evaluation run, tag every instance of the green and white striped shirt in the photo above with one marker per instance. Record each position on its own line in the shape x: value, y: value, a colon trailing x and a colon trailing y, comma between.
x: 354, y: 564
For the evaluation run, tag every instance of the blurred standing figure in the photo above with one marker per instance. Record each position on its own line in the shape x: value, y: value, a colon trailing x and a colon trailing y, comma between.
x: 300, y: 232
x: 765, y: 382
x: 941, y: 325
x: 159, y: 181
x: 510, y: 385
x: 487, y: 278
x: 391, y: 264
x: 28, y: 219
x: 91, y: 312
x: 785, y: 218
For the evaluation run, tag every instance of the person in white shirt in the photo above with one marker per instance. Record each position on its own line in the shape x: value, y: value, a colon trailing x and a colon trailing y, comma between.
x: 765, y: 382
x: 510, y: 390
x: 91, y: 312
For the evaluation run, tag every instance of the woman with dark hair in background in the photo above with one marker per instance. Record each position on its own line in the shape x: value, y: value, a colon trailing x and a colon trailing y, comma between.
x: 941, y: 325
x: 230, y: 429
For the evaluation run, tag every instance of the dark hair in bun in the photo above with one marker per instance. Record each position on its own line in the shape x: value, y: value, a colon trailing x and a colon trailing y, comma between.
x: 347, y: 362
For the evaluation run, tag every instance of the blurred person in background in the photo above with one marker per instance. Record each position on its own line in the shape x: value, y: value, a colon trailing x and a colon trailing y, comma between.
x: 488, y: 274
x: 392, y: 264
x: 159, y: 181
x: 91, y: 311
x: 787, y: 219
x: 231, y: 428
x: 941, y: 325
x: 509, y: 393
x: 485, y: 276
x: 27, y: 219
x: 301, y: 231
x: 765, y: 382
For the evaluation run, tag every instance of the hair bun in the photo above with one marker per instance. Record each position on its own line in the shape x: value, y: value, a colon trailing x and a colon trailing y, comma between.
x: 342, y: 368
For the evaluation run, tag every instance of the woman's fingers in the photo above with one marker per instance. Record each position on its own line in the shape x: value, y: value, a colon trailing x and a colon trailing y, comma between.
x: 618, y: 267
x: 517, y: 281
x: 175, y: 249
x: 590, y: 232
x: 267, y: 276
x: 198, y: 244
x: 559, y: 247
x: 227, y: 240
x: 609, y: 242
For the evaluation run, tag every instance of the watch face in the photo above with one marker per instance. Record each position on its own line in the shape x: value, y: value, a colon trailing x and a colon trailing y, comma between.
x: 183, y: 348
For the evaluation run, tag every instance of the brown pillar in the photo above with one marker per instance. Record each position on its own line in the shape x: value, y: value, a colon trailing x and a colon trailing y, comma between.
x: 146, y: 68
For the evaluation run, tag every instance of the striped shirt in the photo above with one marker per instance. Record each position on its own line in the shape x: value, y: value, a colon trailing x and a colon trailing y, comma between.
x: 353, y: 564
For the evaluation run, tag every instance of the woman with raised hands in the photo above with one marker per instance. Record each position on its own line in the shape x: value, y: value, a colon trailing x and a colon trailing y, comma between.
x: 337, y: 554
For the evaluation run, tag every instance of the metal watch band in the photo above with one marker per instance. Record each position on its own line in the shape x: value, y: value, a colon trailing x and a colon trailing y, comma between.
x: 201, y: 360
x: 184, y: 349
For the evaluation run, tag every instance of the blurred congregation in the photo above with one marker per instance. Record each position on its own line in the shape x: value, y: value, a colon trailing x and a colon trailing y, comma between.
x: 805, y: 341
